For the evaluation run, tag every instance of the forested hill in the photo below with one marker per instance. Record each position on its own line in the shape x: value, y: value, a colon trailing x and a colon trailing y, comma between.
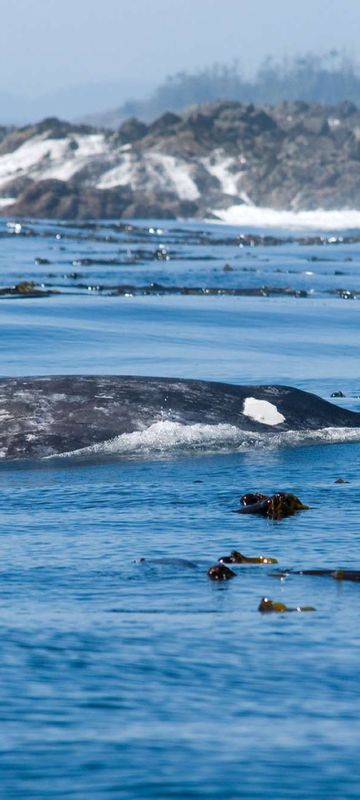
x: 326, y: 80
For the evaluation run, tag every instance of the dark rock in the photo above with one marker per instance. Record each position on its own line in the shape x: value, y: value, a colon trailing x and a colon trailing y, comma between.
x: 132, y: 130
x: 54, y: 199
x: 16, y: 186
x: 164, y: 124
x: 346, y: 109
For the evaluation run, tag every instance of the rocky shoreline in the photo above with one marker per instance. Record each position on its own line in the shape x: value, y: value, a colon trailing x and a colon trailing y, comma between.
x: 292, y: 156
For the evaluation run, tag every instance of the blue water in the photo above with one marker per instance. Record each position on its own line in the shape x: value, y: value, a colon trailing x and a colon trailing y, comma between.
x: 130, y: 679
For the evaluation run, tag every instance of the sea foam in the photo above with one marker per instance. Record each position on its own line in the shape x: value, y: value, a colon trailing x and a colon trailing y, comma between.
x: 163, y: 439
x: 319, y: 219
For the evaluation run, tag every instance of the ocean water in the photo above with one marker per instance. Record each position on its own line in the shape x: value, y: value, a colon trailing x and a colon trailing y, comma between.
x: 137, y: 679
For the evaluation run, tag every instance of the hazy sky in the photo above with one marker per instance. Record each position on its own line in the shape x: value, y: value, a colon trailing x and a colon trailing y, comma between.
x: 46, y: 45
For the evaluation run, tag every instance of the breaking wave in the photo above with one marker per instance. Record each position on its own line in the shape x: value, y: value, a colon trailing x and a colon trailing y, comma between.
x: 320, y: 219
x: 171, y: 438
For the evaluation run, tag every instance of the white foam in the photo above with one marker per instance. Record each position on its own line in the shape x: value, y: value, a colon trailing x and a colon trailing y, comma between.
x: 165, y: 436
x: 42, y: 157
x: 160, y: 172
x: 6, y: 201
x: 174, y: 174
x: 89, y: 148
x: 169, y: 438
x: 120, y: 175
x: 220, y: 166
x: 258, y: 217
x: 262, y: 411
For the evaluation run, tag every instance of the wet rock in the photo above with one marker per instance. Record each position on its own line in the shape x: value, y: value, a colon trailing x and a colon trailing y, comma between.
x: 55, y: 199
x: 165, y: 124
x: 132, y: 130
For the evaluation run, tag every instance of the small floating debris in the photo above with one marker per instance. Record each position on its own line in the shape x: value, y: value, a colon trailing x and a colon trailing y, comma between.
x: 275, y: 506
x: 219, y: 572
x: 41, y: 261
x: 267, y: 606
x: 337, y: 394
x: 341, y: 480
x: 161, y: 254
x: 238, y: 558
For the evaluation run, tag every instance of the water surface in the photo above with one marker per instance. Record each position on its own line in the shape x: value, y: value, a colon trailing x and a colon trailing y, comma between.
x: 122, y: 678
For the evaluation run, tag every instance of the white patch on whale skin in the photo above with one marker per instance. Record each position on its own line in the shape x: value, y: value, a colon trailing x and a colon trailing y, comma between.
x: 262, y: 411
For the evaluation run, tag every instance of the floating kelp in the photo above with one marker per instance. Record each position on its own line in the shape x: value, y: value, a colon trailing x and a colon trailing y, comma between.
x: 251, y: 498
x: 219, y: 572
x: 275, y: 506
x: 268, y: 606
x: 347, y: 575
x: 352, y: 575
x: 216, y: 291
x: 27, y: 289
x: 238, y: 558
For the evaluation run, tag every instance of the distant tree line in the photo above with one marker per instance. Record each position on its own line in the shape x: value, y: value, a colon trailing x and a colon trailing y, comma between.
x: 326, y: 79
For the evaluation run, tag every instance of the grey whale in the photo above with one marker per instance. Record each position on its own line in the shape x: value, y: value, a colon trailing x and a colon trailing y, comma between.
x: 42, y: 416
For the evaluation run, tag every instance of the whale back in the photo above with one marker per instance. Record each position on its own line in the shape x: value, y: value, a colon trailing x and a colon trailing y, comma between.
x: 42, y: 416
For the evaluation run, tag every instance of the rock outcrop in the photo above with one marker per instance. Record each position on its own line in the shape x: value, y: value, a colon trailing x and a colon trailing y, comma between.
x: 293, y: 156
